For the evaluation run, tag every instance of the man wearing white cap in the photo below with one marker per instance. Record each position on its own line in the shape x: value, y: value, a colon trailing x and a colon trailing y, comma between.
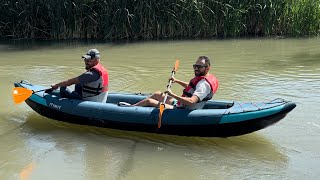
x: 91, y: 85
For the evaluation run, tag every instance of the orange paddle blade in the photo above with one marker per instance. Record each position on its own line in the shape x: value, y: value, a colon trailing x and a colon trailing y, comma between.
x: 26, y: 172
x: 176, y: 65
x: 161, y: 109
x: 20, y: 94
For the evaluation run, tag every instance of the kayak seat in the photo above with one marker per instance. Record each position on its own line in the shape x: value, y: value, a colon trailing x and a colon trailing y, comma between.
x: 218, y: 105
x: 229, y: 105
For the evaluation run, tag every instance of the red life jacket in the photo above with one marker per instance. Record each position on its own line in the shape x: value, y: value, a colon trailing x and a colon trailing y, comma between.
x: 189, y: 90
x: 99, y: 86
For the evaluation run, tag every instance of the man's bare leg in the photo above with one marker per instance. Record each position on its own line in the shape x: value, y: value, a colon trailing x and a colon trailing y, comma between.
x: 155, y: 99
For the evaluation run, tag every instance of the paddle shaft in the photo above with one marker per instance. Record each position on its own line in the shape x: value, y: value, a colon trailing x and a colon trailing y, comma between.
x: 168, y: 87
x: 41, y: 90
x: 162, y: 105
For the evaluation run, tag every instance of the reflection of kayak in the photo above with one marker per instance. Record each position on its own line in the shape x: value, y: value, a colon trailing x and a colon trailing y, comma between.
x: 217, y: 118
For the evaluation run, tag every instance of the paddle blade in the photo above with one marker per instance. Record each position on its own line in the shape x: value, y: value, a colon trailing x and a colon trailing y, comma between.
x: 27, y: 171
x: 176, y: 65
x: 20, y: 94
x: 161, y: 109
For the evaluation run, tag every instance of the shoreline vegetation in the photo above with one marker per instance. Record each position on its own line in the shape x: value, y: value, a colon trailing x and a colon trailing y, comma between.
x: 152, y: 19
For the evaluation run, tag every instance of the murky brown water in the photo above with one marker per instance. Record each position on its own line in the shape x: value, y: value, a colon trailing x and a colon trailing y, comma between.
x: 249, y: 70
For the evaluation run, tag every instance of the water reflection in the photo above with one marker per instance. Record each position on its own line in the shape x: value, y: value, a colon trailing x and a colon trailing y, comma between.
x: 100, y: 153
x: 15, y: 154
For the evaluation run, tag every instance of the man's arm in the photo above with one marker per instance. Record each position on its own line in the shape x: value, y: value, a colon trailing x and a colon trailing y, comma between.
x: 84, y: 78
x: 202, y: 90
x: 182, y: 83
x: 184, y: 100
x: 66, y: 83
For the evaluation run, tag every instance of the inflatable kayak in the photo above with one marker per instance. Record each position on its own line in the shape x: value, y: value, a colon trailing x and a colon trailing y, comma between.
x: 216, y: 119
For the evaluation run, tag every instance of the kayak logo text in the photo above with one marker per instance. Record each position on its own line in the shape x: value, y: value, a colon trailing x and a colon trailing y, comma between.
x: 55, y: 106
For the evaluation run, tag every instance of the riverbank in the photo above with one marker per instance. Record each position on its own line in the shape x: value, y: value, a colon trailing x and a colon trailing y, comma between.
x: 147, y: 19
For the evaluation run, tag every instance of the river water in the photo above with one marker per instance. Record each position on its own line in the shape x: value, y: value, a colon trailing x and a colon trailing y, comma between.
x: 35, y: 147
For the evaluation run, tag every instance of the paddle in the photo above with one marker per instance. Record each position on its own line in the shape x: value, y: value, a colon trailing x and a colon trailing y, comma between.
x: 20, y: 94
x: 162, y: 105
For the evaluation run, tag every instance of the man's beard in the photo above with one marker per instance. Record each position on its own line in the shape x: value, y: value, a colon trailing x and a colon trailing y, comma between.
x: 199, y: 73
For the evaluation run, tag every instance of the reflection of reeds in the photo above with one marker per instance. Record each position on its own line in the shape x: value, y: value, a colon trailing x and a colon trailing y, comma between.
x: 149, y: 19
x: 254, y: 145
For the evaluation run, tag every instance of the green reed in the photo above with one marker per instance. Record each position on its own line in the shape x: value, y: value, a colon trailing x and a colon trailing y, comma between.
x: 152, y: 19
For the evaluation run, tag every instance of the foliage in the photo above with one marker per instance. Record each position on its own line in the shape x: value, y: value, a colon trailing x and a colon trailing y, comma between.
x: 152, y: 19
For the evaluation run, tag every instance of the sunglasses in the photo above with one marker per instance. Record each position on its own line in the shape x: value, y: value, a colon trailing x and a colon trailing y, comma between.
x: 197, y: 66
x: 88, y: 60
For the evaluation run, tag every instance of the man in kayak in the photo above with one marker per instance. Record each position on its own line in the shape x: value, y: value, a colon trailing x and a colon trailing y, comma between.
x: 200, y: 89
x: 91, y: 85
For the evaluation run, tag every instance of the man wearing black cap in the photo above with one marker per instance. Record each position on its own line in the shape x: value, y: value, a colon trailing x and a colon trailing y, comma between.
x: 91, y: 85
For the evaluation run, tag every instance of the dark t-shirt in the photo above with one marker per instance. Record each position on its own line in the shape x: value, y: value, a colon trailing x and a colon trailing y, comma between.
x: 89, y: 76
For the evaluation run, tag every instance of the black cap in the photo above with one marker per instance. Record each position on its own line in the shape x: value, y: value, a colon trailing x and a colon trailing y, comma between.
x: 92, y: 54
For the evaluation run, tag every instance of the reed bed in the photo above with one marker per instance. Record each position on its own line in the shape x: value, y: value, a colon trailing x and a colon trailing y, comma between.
x: 153, y: 19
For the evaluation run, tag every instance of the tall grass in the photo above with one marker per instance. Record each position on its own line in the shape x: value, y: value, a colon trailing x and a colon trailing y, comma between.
x: 152, y: 19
